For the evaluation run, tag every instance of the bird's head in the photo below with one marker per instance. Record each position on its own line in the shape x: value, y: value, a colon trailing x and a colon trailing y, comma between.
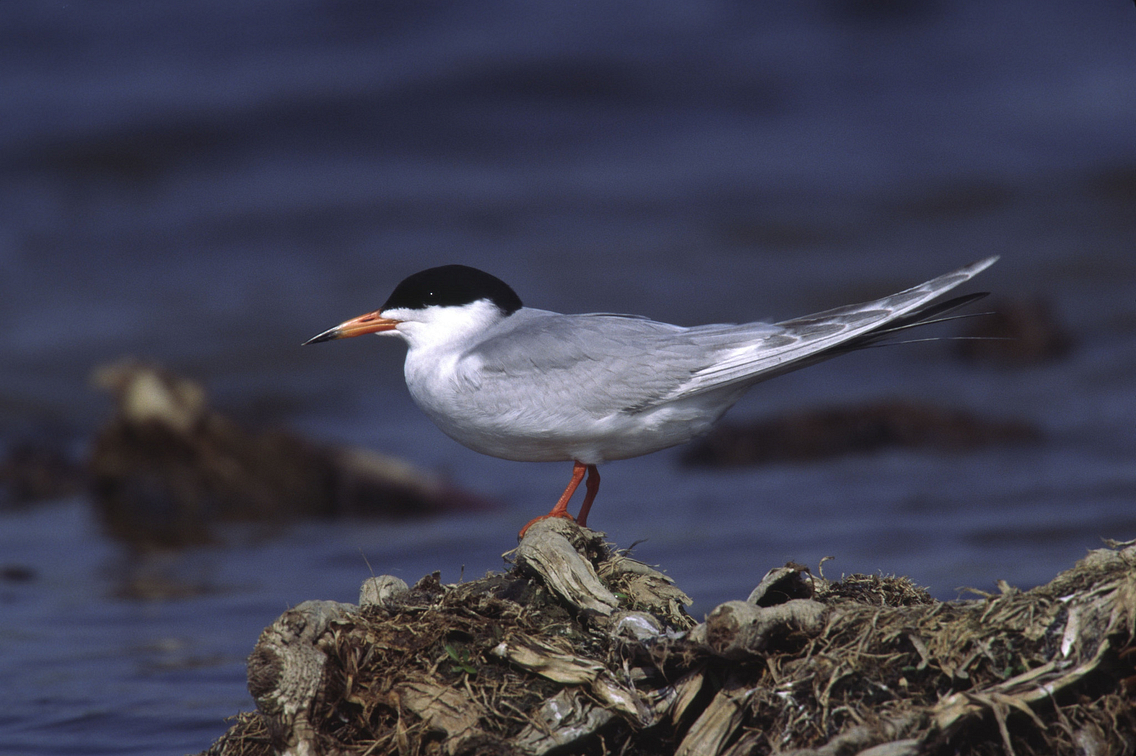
x: 438, y: 305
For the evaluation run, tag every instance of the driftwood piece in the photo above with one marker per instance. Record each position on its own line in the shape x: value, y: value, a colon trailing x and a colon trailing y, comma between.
x: 779, y: 606
x: 286, y: 673
x: 383, y: 591
x: 793, y: 581
x: 558, y: 662
x: 448, y: 711
x: 737, y: 629
x: 562, y: 720
x: 646, y: 588
x: 869, y: 665
x: 685, y: 694
x: 547, y: 551
x: 718, y: 724
x: 555, y: 661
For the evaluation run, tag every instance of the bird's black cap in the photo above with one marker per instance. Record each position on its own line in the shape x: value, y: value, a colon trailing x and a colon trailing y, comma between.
x: 452, y: 285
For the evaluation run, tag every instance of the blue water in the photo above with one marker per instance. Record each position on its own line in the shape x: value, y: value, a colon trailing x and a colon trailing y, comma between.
x: 207, y: 185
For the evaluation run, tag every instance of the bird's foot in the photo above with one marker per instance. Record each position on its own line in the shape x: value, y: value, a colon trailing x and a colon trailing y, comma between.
x: 562, y: 514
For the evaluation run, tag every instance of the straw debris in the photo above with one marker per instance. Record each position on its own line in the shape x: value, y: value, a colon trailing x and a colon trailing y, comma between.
x: 591, y: 652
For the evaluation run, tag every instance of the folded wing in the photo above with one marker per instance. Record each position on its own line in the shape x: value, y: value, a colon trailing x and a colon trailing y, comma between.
x: 813, y: 338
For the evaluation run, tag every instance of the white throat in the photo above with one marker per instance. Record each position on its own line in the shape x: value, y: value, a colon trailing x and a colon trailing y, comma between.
x: 451, y: 328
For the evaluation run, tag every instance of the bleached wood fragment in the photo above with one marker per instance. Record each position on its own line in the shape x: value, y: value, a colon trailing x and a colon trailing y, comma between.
x: 547, y: 551
x: 561, y: 721
x: 382, y: 591
x: 717, y: 725
x: 285, y: 673
x: 781, y: 584
x: 447, y: 710
x: 737, y: 629
x: 557, y: 663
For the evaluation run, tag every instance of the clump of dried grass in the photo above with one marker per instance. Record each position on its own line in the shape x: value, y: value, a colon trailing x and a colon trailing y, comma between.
x: 483, y: 667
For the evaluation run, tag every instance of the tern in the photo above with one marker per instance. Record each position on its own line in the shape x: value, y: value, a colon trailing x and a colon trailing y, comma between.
x: 537, y: 386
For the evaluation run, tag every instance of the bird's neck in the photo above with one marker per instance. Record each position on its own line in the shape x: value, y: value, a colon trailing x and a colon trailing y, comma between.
x: 450, y: 329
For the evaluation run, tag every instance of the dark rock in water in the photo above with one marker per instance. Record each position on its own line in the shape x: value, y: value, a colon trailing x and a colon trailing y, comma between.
x: 167, y: 468
x: 34, y: 471
x: 580, y: 650
x: 17, y: 573
x: 821, y: 433
x: 1015, y: 333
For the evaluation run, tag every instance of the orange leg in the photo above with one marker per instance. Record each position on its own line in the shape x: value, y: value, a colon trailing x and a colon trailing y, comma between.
x: 591, y: 487
x: 561, y: 508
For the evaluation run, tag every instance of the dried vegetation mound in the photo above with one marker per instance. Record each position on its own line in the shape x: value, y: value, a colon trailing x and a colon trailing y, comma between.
x: 167, y: 469
x: 580, y: 649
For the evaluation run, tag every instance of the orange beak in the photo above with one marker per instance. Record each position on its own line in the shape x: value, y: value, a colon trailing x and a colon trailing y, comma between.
x: 372, y: 322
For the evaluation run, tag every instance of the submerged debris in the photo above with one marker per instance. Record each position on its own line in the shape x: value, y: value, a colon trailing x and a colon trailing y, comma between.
x: 1016, y: 333
x: 35, y: 471
x: 601, y: 657
x: 819, y: 433
x: 167, y: 468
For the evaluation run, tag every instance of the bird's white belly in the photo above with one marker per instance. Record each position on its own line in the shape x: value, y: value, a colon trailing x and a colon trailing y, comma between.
x: 536, y: 428
x: 591, y: 441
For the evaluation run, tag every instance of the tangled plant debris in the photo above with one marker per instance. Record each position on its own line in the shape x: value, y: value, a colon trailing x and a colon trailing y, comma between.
x: 579, y: 649
x: 167, y: 469
x: 833, y: 431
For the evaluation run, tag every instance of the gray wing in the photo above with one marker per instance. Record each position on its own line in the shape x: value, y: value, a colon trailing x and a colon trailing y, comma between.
x: 601, y: 363
x: 813, y: 338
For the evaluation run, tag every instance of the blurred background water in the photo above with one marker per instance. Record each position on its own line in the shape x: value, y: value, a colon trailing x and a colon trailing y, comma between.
x: 208, y: 184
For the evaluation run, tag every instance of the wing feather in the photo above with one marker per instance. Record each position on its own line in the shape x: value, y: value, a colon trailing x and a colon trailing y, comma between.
x: 822, y: 335
x: 601, y: 363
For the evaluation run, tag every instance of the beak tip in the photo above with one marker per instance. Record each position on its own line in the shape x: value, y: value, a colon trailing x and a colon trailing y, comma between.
x: 325, y: 336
